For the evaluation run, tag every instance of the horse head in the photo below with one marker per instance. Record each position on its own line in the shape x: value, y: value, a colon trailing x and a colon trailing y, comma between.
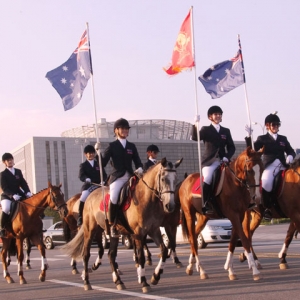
x: 57, y: 199
x: 166, y: 181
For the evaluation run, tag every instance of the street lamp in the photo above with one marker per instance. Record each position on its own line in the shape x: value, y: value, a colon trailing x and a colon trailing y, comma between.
x: 261, y: 126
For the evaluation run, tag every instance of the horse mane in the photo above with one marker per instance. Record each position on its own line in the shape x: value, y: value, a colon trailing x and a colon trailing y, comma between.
x: 296, y: 164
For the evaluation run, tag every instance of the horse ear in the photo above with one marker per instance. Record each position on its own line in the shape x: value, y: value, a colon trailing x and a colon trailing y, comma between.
x: 178, y: 162
x: 49, y: 185
x: 60, y: 185
x: 248, y: 150
x: 163, y: 162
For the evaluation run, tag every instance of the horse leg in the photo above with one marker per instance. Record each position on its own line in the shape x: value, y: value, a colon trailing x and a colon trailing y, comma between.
x: 20, y: 253
x: 98, y: 263
x: 112, y: 254
x: 74, y: 266
x: 28, y: 251
x: 283, y: 252
x: 229, y: 261
x: 171, y: 233
x: 148, y: 254
x: 4, y: 252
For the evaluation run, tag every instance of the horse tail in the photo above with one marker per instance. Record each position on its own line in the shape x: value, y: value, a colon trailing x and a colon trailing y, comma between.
x: 66, y: 230
x: 185, y: 232
x: 12, y: 249
x: 75, y: 247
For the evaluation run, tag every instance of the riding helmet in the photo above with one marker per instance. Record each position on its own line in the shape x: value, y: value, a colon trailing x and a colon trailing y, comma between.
x: 214, y: 109
x: 152, y: 148
x: 121, y: 123
x: 272, y: 118
x: 89, y: 149
x: 7, y: 156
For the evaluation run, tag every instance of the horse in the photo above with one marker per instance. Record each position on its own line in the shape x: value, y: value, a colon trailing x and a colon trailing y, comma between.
x: 26, y: 222
x: 232, y: 201
x: 149, y: 199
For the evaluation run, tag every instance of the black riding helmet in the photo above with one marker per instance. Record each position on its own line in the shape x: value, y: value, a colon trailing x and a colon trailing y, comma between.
x: 89, y: 149
x: 213, y: 110
x: 272, y: 118
x: 7, y: 156
x: 152, y: 148
x: 121, y: 123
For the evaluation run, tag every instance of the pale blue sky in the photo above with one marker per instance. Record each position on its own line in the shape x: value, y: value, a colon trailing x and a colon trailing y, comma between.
x: 131, y: 41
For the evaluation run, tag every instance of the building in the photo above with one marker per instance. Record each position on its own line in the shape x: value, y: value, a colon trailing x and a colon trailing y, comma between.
x: 57, y: 159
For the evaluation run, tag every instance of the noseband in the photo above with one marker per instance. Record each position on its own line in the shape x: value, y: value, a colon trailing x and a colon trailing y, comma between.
x: 54, y: 200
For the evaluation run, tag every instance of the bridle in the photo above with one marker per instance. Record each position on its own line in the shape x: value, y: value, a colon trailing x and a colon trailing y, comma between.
x: 54, y: 200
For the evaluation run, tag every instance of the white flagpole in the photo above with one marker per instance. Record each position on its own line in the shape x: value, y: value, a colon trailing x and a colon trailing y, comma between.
x: 245, y: 89
x: 196, y: 105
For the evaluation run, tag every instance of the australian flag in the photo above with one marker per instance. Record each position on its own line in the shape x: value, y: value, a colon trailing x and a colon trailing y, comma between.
x: 70, y: 79
x: 223, y: 77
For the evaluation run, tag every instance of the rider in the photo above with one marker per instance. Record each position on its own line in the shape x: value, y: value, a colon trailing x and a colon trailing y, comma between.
x: 275, y: 146
x: 14, y: 188
x: 218, y: 146
x: 152, y: 152
x: 121, y: 153
x: 89, y: 172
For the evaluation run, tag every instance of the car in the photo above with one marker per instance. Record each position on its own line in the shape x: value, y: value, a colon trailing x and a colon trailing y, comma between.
x: 215, y: 231
x: 54, y: 235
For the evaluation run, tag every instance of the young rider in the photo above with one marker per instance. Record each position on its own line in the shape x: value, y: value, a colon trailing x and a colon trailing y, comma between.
x: 275, y: 148
x: 121, y: 153
x: 14, y: 188
x: 152, y: 152
x: 218, y: 146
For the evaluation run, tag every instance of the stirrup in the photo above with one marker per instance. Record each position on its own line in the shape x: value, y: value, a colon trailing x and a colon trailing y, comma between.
x: 251, y: 205
x: 207, y: 209
x: 114, y: 232
x: 2, y: 233
x: 267, y: 215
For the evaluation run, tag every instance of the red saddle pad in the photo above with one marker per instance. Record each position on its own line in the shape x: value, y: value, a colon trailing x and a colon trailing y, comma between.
x: 196, y: 189
x: 125, y: 204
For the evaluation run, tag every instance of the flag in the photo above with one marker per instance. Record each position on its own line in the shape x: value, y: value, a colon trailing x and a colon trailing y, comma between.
x: 224, y: 77
x: 70, y: 79
x: 182, y: 57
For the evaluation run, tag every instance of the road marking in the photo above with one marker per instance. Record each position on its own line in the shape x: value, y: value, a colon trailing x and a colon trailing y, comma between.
x: 99, y: 288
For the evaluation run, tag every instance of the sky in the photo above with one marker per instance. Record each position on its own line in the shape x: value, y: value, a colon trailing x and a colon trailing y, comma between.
x: 131, y: 42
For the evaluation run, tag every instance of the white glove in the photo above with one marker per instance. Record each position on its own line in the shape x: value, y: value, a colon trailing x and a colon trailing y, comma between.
x: 289, y: 159
x: 17, y: 197
x: 28, y: 194
x: 97, y: 146
x: 139, y: 171
x: 197, y: 118
x: 88, y: 180
x: 248, y: 129
x: 225, y: 159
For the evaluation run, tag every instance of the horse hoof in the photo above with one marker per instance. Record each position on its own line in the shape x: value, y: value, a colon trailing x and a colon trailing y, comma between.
x: 283, y: 266
x: 149, y: 262
x: 28, y: 267
x: 257, y: 277
x: 121, y: 286
x: 75, y: 271
x: 9, y: 280
x: 42, y: 278
x: 189, y: 271
x: 154, y: 281
x: 204, y: 276
x: 23, y: 281
x: 146, y: 289
x: 232, y: 277
x: 87, y: 287
x: 179, y: 265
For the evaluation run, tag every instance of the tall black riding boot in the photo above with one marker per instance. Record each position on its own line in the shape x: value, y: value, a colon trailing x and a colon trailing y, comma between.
x: 80, y: 210
x: 207, y: 198
x: 112, y: 218
x: 4, y: 218
x: 267, y: 203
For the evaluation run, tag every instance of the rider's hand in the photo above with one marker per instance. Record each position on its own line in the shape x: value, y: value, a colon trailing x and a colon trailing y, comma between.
x: 289, y: 159
x: 139, y: 171
x: 248, y: 129
x: 88, y: 180
x: 17, y: 197
x: 225, y: 159
x: 197, y: 118
x: 97, y: 146
x: 28, y: 194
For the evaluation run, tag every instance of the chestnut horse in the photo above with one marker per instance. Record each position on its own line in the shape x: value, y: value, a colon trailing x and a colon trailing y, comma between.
x: 238, y: 187
x: 150, y: 199
x: 27, y: 223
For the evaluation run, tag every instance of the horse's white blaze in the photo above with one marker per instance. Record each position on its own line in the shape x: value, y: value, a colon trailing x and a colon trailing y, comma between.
x: 229, y: 261
x: 44, y: 262
x: 252, y: 264
x: 140, y: 273
x: 160, y: 265
x: 283, y: 250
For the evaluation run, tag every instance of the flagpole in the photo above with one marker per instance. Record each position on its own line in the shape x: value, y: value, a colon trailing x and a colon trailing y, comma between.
x: 196, y: 104
x: 245, y: 89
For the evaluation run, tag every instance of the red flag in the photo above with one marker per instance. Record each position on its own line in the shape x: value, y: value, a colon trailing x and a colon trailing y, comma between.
x: 182, y: 57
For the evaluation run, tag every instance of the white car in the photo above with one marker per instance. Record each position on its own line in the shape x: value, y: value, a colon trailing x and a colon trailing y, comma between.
x: 215, y: 231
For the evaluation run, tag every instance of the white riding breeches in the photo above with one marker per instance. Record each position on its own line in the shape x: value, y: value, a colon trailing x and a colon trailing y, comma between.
x: 5, y: 204
x: 84, y: 195
x: 208, y: 171
x: 269, y: 174
x: 115, y: 187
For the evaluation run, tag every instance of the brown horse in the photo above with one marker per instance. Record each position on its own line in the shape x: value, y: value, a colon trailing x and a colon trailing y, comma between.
x: 151, y: 197
x: 232, y: 202
x: 27, y: 223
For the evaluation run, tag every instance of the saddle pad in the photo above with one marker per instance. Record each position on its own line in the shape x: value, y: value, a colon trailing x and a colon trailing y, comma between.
x: 125, y: 205
x: 196, y: 188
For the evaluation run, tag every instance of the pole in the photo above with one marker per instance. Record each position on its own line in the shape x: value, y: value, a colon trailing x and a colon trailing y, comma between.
x: 245, y: 89
x: 196, y: 104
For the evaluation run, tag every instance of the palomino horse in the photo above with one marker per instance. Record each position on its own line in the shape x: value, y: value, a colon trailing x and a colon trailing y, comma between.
x: 232, y: 200
x: 27, y: 223
x: 150, y: 198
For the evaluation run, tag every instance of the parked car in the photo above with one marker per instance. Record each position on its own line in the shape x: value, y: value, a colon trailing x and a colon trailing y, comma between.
x: 215, y: 231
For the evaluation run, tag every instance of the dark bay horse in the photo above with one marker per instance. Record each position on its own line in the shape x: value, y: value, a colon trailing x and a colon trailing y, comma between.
x: 27, y: 223
x: 151, y: 197
x: 238, y: 188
